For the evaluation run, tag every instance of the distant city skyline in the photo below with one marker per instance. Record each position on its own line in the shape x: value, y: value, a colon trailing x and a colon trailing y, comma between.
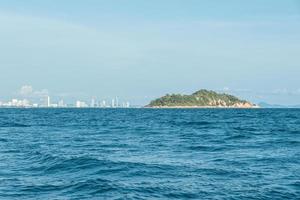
x: 140, y: 50
x: 45, y: 97
x: 45, y: 102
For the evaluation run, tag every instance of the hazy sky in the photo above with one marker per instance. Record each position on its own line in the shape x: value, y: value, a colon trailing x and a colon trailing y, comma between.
x: 141, y: 49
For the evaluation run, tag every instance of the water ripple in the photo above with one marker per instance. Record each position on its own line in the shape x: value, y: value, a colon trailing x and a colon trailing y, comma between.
x: 149, y: 154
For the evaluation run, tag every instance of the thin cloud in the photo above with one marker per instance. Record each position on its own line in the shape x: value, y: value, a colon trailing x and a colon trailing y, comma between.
x: 29, y: 92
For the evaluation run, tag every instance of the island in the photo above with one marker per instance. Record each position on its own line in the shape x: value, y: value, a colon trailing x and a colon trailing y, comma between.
x: 200, y: 99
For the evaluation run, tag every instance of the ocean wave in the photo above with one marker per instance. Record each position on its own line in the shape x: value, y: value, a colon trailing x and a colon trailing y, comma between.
x: 149, y: 154
x: 13, y: 125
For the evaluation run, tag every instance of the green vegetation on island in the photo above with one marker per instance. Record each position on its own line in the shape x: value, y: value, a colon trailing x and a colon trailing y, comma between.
x: 201, y: 98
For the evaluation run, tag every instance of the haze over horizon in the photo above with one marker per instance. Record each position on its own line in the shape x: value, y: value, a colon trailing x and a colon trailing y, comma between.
x: 139, y: 50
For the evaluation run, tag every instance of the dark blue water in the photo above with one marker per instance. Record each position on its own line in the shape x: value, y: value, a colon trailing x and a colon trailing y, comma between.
x: 149, y: 154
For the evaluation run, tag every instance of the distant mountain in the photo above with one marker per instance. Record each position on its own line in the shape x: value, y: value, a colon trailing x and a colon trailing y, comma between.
x: 200, y: 99
x: 266, y: 105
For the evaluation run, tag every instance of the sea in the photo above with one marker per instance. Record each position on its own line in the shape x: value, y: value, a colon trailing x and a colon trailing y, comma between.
x: 149, y: 154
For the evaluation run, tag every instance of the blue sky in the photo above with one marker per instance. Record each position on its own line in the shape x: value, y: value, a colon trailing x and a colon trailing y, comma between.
x: 139, y: 49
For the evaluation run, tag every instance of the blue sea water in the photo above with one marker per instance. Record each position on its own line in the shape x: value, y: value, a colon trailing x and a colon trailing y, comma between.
x: 149, y: 154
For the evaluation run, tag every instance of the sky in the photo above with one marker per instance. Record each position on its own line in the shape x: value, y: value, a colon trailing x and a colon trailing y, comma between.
x: 139, y: 50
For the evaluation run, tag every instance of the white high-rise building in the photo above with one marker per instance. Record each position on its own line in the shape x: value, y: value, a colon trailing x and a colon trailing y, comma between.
x: 93, y: 104
x: 113, y: 103
x: 81, y: 104
x: 14, y: 102
x: 61, y: 103
x: 78, y: 104
x: 103, y: 104
x: 117, y: 102
x: 48, y: 102
x: 25, y: 103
